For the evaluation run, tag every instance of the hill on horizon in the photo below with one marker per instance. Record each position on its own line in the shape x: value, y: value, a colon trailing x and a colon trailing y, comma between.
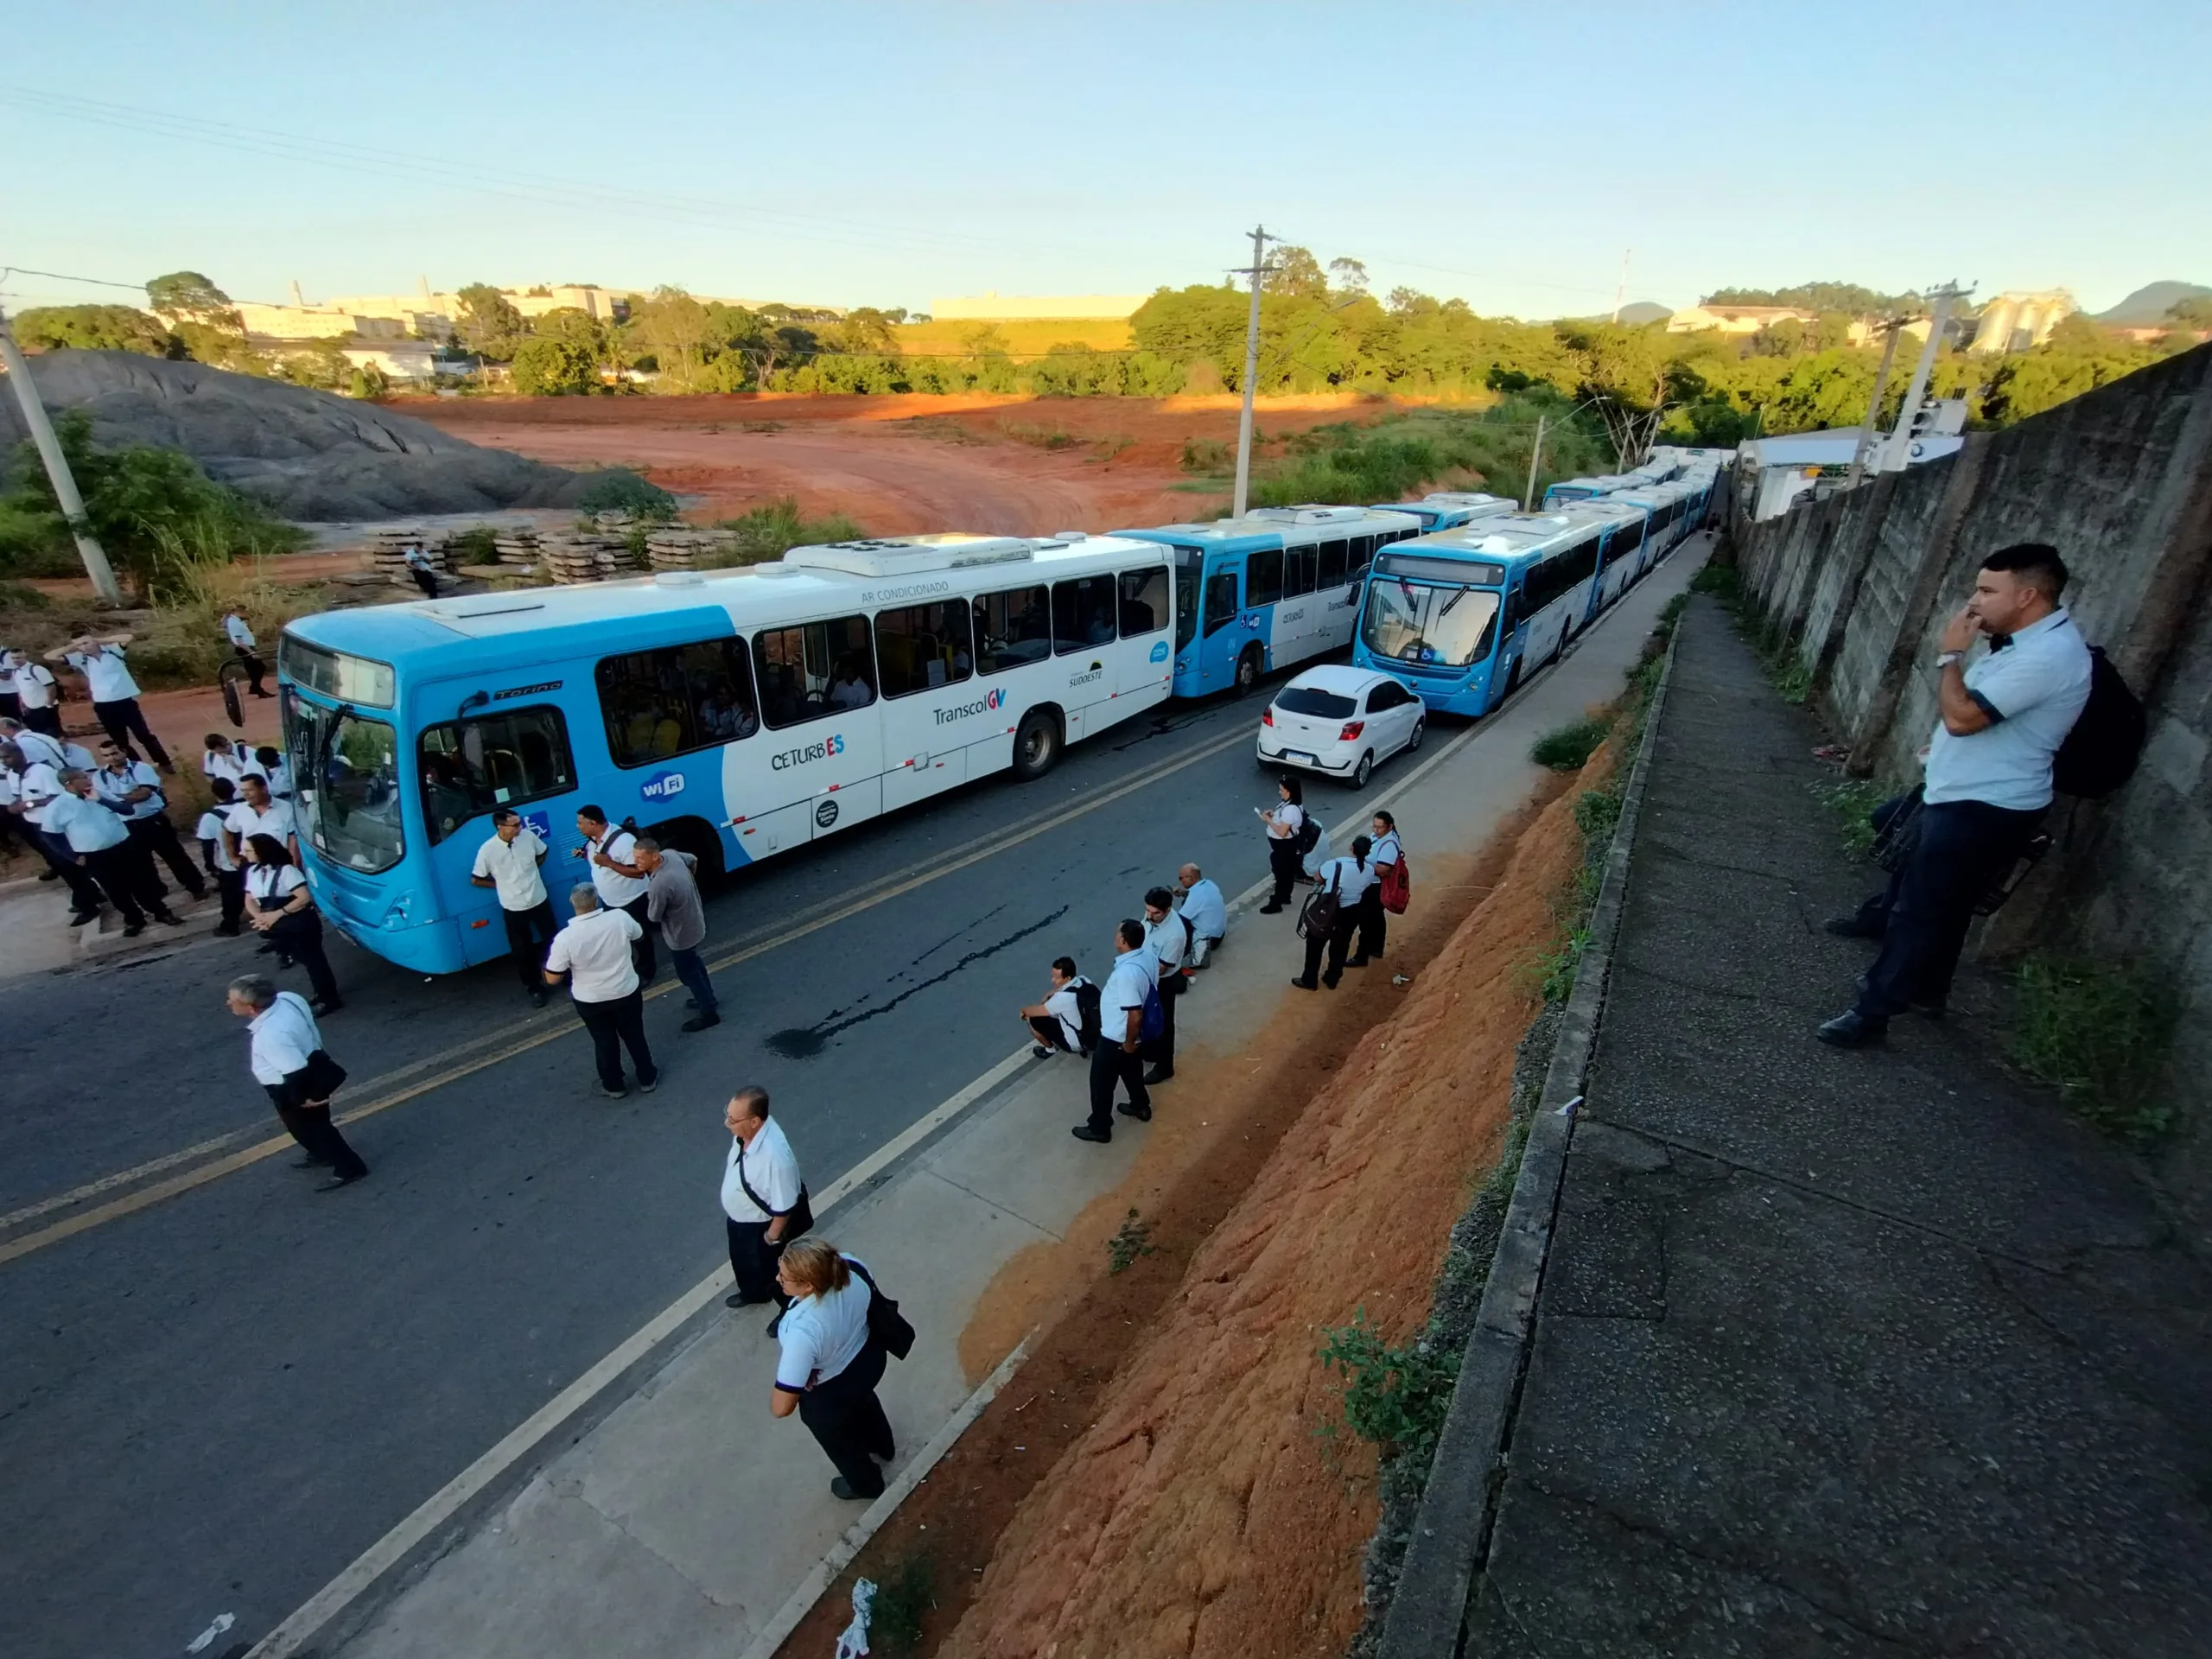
x: 2148, y: 305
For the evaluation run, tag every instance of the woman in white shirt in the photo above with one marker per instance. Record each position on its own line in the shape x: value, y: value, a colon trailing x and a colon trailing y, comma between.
x: 1348, y: 881
x: 830, y: 1366
x: 1283, y: 824
x: 279, y: 904
x: 1373, y: 918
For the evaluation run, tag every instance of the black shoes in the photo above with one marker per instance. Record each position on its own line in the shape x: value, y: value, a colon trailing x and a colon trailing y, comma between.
x: 1037, y: 1051
x: 1329, y: 979
x: 324, y: 1006
x: 132, y: 930
x: 337, y: 1181
x: 1084, y: 1132
x: 1158, y: 1075
x: 701, y: 1022
x: 1356, y: 962
x: 227, y: 930
x: 739, y: 1298
x: 1273, y: 907
x: 645, y: 1088
x: 775, y: 1324
x: 169, y: 919
x: 843, y: 1488
x: 613, y: 1094
x: 537, y: 999
x: 1853, y: 1029
x: 310, y: 1162
x: 1305, y: 984
x: 1854, y: 927
x: 83, y: 918
x: 1142, y: 1113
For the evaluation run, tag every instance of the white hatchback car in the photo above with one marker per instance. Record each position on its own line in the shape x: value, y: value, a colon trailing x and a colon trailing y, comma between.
x: 1341, y: 720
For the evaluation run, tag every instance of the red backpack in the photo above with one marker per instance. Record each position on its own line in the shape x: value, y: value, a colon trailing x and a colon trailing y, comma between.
x: 1397, y: 885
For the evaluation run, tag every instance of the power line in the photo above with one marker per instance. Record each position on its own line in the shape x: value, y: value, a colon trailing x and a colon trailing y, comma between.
x: 64, y: 276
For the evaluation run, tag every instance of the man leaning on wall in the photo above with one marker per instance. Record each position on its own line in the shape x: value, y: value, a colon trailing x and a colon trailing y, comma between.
x: 2001, y: 719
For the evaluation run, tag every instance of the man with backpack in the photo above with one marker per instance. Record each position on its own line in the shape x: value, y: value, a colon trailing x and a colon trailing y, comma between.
x: 1988, y: 782
x: 1066, y: 1021
x: 1169, y: 937
x: 1129, y: 1005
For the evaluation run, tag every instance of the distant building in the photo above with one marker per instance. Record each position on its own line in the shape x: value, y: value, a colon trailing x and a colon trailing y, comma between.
x: 993, y: 307
x: 1734, y: 319
x: 1773, y: 473
x: 2013, y: 322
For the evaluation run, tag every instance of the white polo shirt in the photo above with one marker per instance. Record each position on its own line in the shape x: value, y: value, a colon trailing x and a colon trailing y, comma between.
x: 88, y: 826
x: 40, y: 787
x: 210, y: 829
x: 770, y: 1166
x: 113, y: 787
x: 1125, y: 988
x: 615, y: 889
x: 1169, y: 939
x: 1205, y: 910
x: 2033, y: 689
x: 34, y: 685
x: 284, y: 1035
x: 1387, y: 850
x: 228, y: 764
x: 37, y: 747
x: 1343, y: 877
x: 234, y: 626
x: 274, y: 884
x: 279, y: 820
x: 1063, y: 1006
x: 106, y: 676
x: 821, y: 1335
x: 594, y: 951
x: 512, y: 866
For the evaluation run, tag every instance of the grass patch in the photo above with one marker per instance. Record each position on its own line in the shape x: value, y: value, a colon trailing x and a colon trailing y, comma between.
x: 770, y: 531
x: 1791, y: 678
x: 903, y: 1601
x: 1134, y: 1240
x: 1388, y: 459
x: 1044, y: 437
x: 2097, y: 1032
x: 1852, y: 800
x: 1395, y: 1398
x: 1207, y: 457
x: 616, y: 489
x: 1568, y: 748
x: 1718, y: 581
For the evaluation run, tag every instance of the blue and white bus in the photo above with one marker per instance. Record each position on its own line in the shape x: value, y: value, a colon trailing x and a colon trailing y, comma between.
x: 1458, y: 616
x: 1272, y: 588
x: 1570, y: 490
x: 733, y: 714
x: 1449, y: 509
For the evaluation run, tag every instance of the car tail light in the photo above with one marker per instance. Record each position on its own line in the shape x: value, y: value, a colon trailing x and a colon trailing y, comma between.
x: 1352, y: 728
x: 1268, y: 716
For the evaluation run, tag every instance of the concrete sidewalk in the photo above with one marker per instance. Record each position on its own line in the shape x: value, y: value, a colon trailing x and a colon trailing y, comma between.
x: 1835, y: 1353
x: 682, y: 1520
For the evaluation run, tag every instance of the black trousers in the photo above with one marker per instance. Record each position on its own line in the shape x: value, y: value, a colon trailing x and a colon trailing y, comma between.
x: 299, y: 936
x: 641, y: 948
x: 753, y: 1261
x: 1336, y: 942
x: 311, y: 1125
x: 83, y: 892
x: 1373, y: 923
x: 123, y: 717
x: 1111, y: 1063
x: 847, y: 1420
x: 158, y: 836
x: 255, y: 668
x: 1965, y: 848
x: 126, y: 876
x: 1049, y: 1031
x: 230, y: 886
x: 1161, y: 1050
x: 615, y: 1026
x: 425, y: 581
x: 1286, y: 866
x: 530, y: 936
x: 46, y: 720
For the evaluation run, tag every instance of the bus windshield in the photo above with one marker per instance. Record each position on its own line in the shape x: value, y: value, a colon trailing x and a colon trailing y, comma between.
x: 347, y: 768
x: 1434, y: 628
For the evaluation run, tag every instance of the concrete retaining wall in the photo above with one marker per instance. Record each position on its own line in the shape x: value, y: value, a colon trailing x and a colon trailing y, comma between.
x: 2120, y: 481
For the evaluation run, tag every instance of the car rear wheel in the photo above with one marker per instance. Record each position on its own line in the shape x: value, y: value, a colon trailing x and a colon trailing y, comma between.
x: 1363, y: 772
x: 1420, y: 731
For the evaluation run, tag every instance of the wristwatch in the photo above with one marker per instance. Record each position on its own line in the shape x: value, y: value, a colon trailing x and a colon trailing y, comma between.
x: 1944, y: 659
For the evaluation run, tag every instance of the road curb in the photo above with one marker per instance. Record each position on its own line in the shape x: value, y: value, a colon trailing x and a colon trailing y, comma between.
x: 1452, y: 1529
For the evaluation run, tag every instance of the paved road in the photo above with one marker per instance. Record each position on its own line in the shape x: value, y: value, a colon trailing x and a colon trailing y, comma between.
x: 212, y: 1404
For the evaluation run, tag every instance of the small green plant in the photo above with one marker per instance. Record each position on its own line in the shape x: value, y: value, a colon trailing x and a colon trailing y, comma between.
x: 620, y: 490
x: 1671, y: 613
x: 1205, y: 456
x: 1567, y: 748
x: 772, y: 530
x: 1596, y: 814
x: 905, y: 1597
x: 1720, y: 580
x: 1395, y: 1398
x: 1791, y: 678
x: 2098, y: 1032
x: 478, y: 545
x: 1127, y: 1245
x: 1045, y: 437
x: 1554, y: 971
x: 1852, y: 800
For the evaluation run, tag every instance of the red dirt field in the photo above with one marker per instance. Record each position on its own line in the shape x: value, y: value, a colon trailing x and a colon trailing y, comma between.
x: 1011, y: 466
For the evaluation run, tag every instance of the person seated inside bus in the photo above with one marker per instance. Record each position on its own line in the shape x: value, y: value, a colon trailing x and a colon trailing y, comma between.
x: 852, y: 689
x: 448, y: 801
x: 723, y: 718
x: 787, y: 703
x: 1015, y: 628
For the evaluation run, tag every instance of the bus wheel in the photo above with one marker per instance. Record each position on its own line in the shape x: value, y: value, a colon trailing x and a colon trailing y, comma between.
x: 1363, y: 772
x: 1036, y: 745
x: 1248, y: 669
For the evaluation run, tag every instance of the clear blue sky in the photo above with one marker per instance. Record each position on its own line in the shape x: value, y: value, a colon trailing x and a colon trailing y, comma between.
x: 891, y: 153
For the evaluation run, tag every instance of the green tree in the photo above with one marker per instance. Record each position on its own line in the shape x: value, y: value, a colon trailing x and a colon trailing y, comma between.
x: 95, y: 329
x: 204, y: 321
x: 2195, y: 312
x: 1850, y: 298
x: 546, y: 367
x: 1294, y: 270
x: 488, y: 324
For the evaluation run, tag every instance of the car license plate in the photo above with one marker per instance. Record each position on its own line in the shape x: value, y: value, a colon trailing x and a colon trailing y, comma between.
x: 1299, y: 754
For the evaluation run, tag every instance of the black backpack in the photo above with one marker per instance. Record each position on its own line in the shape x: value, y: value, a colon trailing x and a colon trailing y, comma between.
x: 1308, y: 837
x: 2104, y: 747
x: 1087, y: 1016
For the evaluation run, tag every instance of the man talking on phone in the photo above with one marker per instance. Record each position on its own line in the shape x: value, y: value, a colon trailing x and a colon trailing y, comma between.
x: 2002, y: 718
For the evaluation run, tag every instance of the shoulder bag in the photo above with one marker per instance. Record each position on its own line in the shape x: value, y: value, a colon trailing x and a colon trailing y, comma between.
x: 801, y: 1214
x: 885, y: 1324
x: 1316, y: 918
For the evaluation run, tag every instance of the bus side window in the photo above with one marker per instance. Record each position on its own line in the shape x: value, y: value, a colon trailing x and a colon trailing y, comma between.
x: 1144, y: 602
x: 471, y: 766
x: 1359, y: 553
x: 923, y: 646
x: 1083, y: 613
x: 815, y: 669
x: 665, y: 702
x: 1186, y: 598
x: 1263, y: 577
x: 1332, y: 567
x: 1221, y: 600
x: 1297, y: 571
x: 1012, y: 628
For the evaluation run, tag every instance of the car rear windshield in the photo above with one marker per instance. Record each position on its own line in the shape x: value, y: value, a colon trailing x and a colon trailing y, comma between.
x: 1312, y: 700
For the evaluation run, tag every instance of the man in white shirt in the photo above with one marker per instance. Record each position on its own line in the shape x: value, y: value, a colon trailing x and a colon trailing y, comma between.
x: 1121, y: 1014
x: 1057, y: 1020
x: 215, y: 857
x: 133, y: 790
x: 508, y: 863
x: 1988, y: 782
x: 52, y: 748
x: 37, y: 697
x: 594, y: 951
x: 260, y: 813
x: 30, y: 788
x: 102, y: 841
x: 98, y: 657
x: 1168, y: 936
x: 270, y: 762
x: 1205, y: 910
x: 223, y: 759
x: 239, y: 633
x: 284, y: 1042
x: 761, y: 1198
x: 610, y: 851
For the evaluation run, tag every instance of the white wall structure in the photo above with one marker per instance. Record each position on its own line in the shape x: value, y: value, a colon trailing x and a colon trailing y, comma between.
x: 2013, y: 322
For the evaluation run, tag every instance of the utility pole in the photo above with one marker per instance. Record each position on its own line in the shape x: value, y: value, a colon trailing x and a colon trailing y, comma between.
x: 1260, y: 240
x: 1897, y: 455
x: 1528, y: 496
x: 1891, y: 330
x: 1620, y: 294
x: 57, y: 467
